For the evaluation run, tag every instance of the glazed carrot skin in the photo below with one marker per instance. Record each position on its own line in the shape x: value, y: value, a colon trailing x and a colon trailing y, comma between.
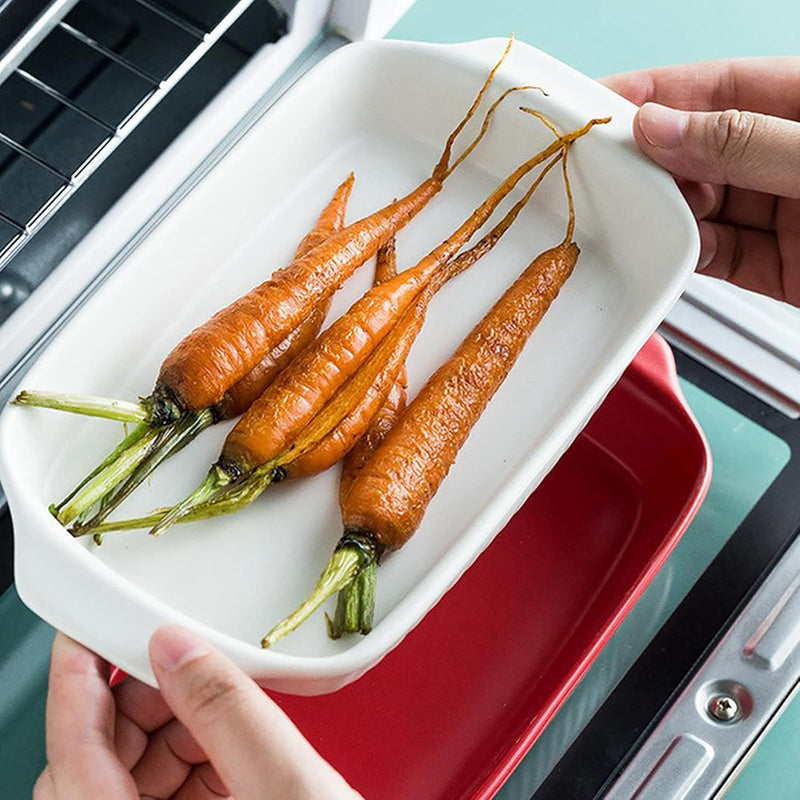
x: 341, y: 439
x: 395, y: 402
x: 388, y: 498
x: 333, y: 446
x: 291, y: 401
x: 377, y: 431
x: 209, y: 360
x: 337, y: 444
x: 348, y: 413
x: 243, y: 393
x: 386, y: 262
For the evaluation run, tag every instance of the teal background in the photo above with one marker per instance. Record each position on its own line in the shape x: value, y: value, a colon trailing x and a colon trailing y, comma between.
x: 601, y: 38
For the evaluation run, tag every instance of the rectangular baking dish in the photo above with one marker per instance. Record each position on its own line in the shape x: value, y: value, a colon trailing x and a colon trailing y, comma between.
x: 382, y: 109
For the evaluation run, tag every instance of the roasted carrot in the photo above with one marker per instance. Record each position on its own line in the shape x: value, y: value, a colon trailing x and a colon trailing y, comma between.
x: 387, y: 499
x: 339, y: 439
x: 345, y: 418
x: 144, y: 450
x: 213, y: 357
x: 393, y: 404
x: 269, y: 428
x: 291, y: 401
x: 390, y: 496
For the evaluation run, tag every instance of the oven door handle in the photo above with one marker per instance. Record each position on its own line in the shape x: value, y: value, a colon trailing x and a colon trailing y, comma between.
x: 705, y: 738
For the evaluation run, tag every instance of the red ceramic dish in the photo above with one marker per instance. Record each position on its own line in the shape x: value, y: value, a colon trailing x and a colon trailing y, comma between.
x: 452, y: 710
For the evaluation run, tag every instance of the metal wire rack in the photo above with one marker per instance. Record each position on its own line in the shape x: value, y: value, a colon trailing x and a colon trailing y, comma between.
x: 22, y: 223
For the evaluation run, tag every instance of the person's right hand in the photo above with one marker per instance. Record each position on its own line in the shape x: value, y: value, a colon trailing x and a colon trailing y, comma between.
x: 729, y: 131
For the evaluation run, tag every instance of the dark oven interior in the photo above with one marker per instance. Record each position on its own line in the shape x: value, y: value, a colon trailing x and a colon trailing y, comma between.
x: 70, y: 113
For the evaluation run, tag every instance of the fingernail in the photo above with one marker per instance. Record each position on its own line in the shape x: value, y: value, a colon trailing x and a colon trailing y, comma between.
x: 662, y: 126
x: 172, y: 648
x: 708, y: 246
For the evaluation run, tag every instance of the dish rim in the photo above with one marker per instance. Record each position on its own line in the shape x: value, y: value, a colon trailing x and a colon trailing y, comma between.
x: 269, y: 666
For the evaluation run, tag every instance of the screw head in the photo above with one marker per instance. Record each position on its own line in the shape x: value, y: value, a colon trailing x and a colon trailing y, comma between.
x: 723, y: 708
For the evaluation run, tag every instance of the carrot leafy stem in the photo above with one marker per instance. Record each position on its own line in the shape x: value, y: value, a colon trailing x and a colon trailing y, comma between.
x: 355, y: 605
x: 354, y: 554
x: 96, y: 488
x: 216, y: 480
x: 90, y: 405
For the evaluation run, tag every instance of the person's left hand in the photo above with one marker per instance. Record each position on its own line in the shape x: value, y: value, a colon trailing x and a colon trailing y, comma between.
x: 209, y: 733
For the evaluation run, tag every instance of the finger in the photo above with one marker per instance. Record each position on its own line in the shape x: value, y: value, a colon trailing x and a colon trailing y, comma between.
x: 254, y: 746
x: 763, y: 85
x: 704, y: 199
x: 749, y: 258
x: 142, y: 704
x: 80, y: 726
x: 130, y: 741
x: 44, y: 789
x: 203, y: 783
x: 748, y: 208
x: 751, y: 151
x: 167, y: 761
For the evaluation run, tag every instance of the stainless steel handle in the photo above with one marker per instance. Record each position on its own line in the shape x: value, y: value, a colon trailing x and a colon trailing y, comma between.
x: 735, y: 696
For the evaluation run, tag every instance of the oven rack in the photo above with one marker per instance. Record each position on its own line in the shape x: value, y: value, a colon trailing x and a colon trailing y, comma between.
x: 113, y: 134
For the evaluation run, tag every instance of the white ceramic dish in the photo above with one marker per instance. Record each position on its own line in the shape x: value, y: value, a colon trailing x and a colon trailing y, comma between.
x: 382, y: 109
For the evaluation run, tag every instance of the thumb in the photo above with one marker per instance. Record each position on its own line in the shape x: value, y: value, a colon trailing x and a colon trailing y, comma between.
x: 251, y: 743
x: 738, y: 148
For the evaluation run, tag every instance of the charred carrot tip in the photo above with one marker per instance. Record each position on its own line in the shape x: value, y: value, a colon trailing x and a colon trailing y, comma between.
x: 542, y: 118
x: 485, y: 124
x: 570, y: 202
x: 578, y: 132
x: 443, y: 168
